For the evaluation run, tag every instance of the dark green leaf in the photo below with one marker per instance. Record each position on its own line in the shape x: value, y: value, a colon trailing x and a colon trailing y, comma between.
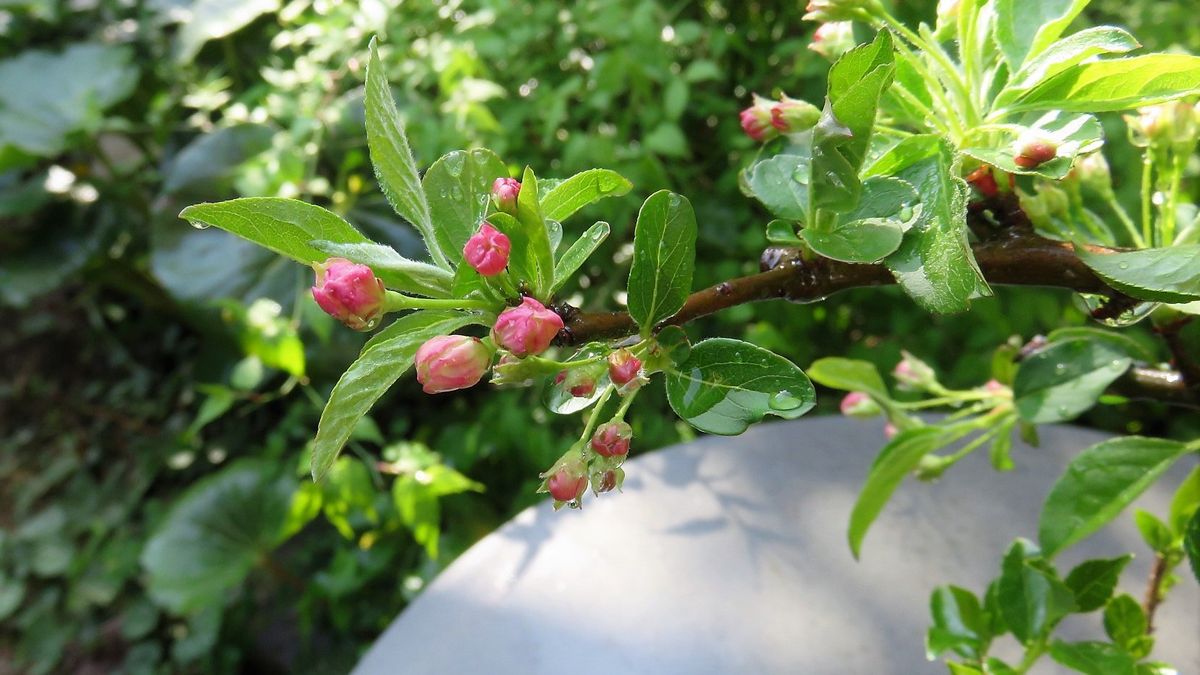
x: 215, y: 534
x: 1099, y: 483
x: 1065, y: 379
x: 582, y: 189
x: 783, y: 232
x: 664, y: 258
x: 396, y: 271
x: 1124, y: 621
x: 1093, y: 581
x: 212, y: 19
x: 1116, y: 84
x: 385, y: 358
x: 458, y: 187
x: 574, y: 258
x: 286, y: 226
x: 1093, y: 658
x: 1120, y: 341
x: 393, y: 160
x: 1031, y: 598
x: 727, y: 385
x: 1159, y: 274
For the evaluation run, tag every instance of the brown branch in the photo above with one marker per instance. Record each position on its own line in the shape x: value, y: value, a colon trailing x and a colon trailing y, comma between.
x: 1158, y: 575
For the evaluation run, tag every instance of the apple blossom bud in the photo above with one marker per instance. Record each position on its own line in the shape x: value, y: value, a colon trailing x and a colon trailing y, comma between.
x: 1034, y: 149
x: 349, y: 292
x: 607, y: 481
x: 914, y: 374
x: 756, y: 120
x: 983, y: 180
x: 993, y: 385
x: 791, y: 115
x: 623, y: 367
x: 859, y: 404
x: 504, y: 194
x: 487, y: 250
x: 841, y: 10
x: 527, y: 329
x: 450, y: 362
x: 833, y: 39
x: 890, y: 431
x: 1093, y: 172
x: 567, y: 483
x: 577, y: 381
x: 612, y: 439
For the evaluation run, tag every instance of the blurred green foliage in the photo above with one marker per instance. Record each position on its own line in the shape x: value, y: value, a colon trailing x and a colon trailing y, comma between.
x: 151, y: 392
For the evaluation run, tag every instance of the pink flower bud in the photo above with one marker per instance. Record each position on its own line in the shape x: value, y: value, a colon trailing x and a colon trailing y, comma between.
x: 608, y: 481
x: 756, y: 120
x: 994, y: 386
x: 859, y: 404
x: 487, y: 250
x: 1033, y: 150
x: 612, y: 439
x: 504, y: 193
x: 833, y: 39
x: 526, y: 329
x: 450, y: 362
x: 623, y: 367
x: 914, y: 374
x: 579, y: 383
x: 349, y: 292
x: 890, y: 431
x: 566, y: 485
x: 792, y: 115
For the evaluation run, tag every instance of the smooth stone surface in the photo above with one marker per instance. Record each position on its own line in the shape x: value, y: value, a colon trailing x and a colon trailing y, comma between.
x: 729, y: 555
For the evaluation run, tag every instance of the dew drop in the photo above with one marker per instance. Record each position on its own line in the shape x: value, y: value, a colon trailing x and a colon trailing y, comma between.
x: 198, y: 225
x: 784, y: 400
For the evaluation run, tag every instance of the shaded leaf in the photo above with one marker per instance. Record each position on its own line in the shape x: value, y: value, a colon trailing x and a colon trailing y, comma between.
x: 664, y: 258
x: 1159, y: 274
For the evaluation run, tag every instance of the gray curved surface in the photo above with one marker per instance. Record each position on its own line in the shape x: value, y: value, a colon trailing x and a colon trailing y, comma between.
x: 729, y: 556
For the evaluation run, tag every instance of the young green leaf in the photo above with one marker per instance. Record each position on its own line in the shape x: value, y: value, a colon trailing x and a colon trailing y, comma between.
x: 781, y: 184
x: 582, y: 189
x: 1031, y: 597
x: 1186, y: 502
x: 849, y: 375
x: 1159, y: 274
x: 1099, y: 483
x: 873, y: 229
x: 1074, y: 135
x: 727, y: 385
x: 1191, y: 543
x: 1119, y: 341
x: 1062, y: 55
x: 1125, y: 622
x: 1065, y: 379
x: 1093, y: 658
x: 1115, y: 84
x: 537, y: 248
x: 575, y: 256
x: 934, y: 263
x: 664, y: 258
x: 458, y: 187
x: 1154, y: 531
x: 1026, y: 27
x: 958, y: 624
x: 286, y: 226
x: 396, y: 271
x: 382, y: 362
x: 1093, y: 581
x: 393, y: 160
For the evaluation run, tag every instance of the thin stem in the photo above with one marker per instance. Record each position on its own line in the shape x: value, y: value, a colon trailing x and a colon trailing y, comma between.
x: 1110, y: 197
x: 397, y: 301
x: 594, y: 418
x: 1147, y: 190
x: 625, y: 403
x: 1172, y: 208
x: 1154, y: 591
x: 957, y: 86
x: 935, y: 87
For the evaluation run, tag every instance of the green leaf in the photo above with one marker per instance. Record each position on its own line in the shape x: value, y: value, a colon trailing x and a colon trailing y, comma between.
x: 781, y: 184
x: 1124, y: 621
x: 536, y: 250
x: 213, y: 19
x: 873, y: 229
x: 458, y: 187
x: 579, y: 252
x: 727, y: 385
x: 1186, y: 502
x: 783, y: 232
x: 1075, y: 135
x: 396, y: 271
x: 934, y: 264
x: 582, y: 189
x: 958, y: 624
x: 664, y: 258
x: 395, y: 168
x: 215, y: 534
x: 1119, y: 341
x: 384, y: 359
x: 417, y: 501
x: 1099, y: 483
x: 1116, y: 84
x: 1031, y: 598
x: 1066, y: 378
x: 1026, y: 27
x: 1160, y: 274
x: 286, y: 226
x: 849, y: 375
x: 1191, y: 544
x: 1154, y: 531
x: 1093, y: 658
x: 1093, y: 581
x: 1064, y: 54
x: 963, y: 669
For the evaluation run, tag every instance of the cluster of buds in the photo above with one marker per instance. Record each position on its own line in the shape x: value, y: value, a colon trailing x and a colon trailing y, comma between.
x: 766, y: 119
x: 597, y: 464
x: 833, y: 39
x: 1174, y: 124
x: 842, y: 10
x: 349, y: 292
x: 1033, y: 149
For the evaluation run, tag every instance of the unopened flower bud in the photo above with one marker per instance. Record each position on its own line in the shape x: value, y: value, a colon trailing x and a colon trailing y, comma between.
x: 567, y: 483
x: 994, y: 386
x: 984, y: 180
x: 791, y: 115
x: 756, y: 120
x: 612, y: 439
x: 623, y: 367
x: 890, y: 431
x: 1173, y: 123
x: 1093, y: 172
x: 833, y: 39
x: 1034, y: 149
x: 607, y: 481
x: 527, y: 329
x: 914, y: 374
x: 1048, y: 205
x: 840, y: 10
x: 504, y: 194
x: 450, y: 362
x: 349, y: 292
x: 577, y: 381
x: 487, y: 250
x: 859, y: 404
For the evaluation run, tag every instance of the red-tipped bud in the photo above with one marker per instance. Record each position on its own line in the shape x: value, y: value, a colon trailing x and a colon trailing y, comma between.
x: 623, y: 367
x: 983, y: 180
x: 791, y: 115
x: 859, y: 404
x: 578, y: 382
x: 450, y: 362
x: 349, y: 292
x: 756, y: 120
x: 566, y: 484
x: 527, y: 329
x: 608, y: 481
x: 833, y: 39
x: 504, y: 193
x: 1033, y: 150
x: 612, y: 439
x: 487, y: 250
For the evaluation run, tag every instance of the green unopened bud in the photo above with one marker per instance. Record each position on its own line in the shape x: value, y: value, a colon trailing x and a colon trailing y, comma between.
x: 1173, y: 123
x: 842, y: 10
x: 1093, y: 172
x: 791, y: 115
x: 833, y: 39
